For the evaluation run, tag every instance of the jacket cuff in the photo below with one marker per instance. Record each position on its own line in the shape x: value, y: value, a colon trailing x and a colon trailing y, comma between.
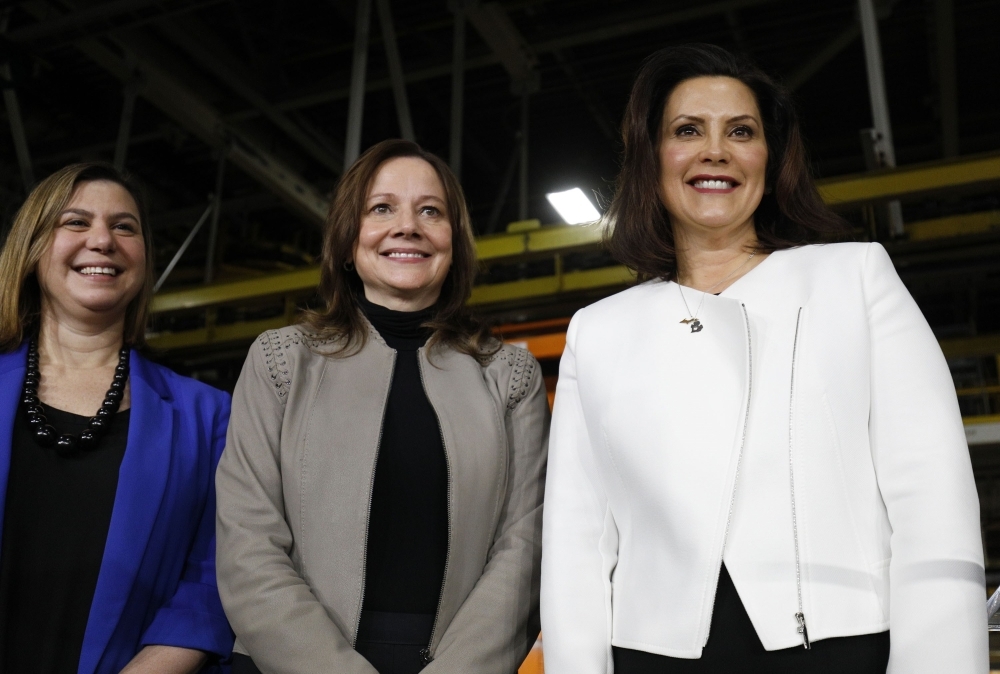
x: 193, y: 625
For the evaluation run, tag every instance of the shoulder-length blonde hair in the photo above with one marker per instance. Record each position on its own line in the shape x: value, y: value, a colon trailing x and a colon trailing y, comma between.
x: 340, y: 320
x: 29, y: 238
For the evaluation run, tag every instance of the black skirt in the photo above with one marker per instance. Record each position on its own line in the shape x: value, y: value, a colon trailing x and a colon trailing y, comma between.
x: 391, y: 642
x: 733, y: 646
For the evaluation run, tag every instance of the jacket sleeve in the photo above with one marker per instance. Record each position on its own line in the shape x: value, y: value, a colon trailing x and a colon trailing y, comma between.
x: 580, y: 540
x: 275, y: 615
x: 500, y: 615
x: 937, y: 613
x: 193, y: 617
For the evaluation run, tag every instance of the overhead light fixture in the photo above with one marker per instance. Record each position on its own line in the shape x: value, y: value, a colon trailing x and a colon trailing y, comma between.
x: 573, y: 206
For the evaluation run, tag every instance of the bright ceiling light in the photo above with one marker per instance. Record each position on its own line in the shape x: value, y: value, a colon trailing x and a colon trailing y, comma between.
x: 573, y: 206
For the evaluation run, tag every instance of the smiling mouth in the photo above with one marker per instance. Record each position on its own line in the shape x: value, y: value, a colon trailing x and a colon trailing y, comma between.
x: 98, y: 271
x: 399, y: 255
x: 702, y: 184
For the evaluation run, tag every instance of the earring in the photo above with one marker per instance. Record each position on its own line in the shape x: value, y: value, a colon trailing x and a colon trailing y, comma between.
x: 348, y: 265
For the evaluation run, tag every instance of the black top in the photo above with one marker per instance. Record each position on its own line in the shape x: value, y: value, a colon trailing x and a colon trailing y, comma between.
x: 733, y: 646
x: 408, y: 524
x: 55, y: 525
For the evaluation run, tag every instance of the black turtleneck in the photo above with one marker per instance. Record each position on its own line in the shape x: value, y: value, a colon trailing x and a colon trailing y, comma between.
x: 408, y: 524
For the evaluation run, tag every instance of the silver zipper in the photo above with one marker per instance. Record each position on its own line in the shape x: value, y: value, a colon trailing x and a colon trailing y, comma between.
x: 425, y: 653
x: 800, y: 616
x: 746, y: 421
x: 371, y: 494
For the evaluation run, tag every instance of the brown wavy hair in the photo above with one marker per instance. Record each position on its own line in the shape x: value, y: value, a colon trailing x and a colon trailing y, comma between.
x: 340, y: 320
x: 791, y: 213
x: 29, y: 238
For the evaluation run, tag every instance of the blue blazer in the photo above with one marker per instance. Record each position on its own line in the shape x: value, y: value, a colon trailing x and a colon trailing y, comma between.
x: 157, y: 580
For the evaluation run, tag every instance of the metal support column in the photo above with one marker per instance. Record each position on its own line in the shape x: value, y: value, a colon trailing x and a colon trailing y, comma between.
x: 14, y: 115
x: 356, y: 102
x: 395, y: 70
x: 130, y: 91
x: 457, y: 89
x: 879, y: 102
x: 213, y: 231
x: 944, y: 29
x: 522, y: 209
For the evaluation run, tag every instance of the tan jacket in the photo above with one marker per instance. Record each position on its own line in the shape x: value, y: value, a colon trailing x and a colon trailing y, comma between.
x: 294, y: 490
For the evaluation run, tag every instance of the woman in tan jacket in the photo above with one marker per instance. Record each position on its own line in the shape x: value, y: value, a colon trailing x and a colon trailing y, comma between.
x: 380, y: 494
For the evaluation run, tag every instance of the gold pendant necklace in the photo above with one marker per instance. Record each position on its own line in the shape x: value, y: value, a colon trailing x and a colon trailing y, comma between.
x: 692, y: 319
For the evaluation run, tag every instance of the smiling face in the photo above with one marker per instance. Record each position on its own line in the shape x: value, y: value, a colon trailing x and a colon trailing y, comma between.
x: 403, y: 251
x: 96, y: 262
x: 712, y: 154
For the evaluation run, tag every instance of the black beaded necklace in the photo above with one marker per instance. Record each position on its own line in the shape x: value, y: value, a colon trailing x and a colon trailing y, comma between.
x: 45, y: 434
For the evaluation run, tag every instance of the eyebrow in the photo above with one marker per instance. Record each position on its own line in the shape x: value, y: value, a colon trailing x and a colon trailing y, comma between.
x: 395, y: 196
x: 694, y: 118
x: 88, y: 214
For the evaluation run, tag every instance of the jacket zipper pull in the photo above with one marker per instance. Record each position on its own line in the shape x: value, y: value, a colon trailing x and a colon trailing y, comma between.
x: 425, y: 656
x: 801, y: 618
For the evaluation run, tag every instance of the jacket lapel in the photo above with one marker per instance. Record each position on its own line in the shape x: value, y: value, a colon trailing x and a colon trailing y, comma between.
x: 12, y: 366
x: 142, y: 482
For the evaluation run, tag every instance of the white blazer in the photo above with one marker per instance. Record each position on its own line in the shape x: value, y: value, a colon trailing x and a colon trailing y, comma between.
x: 809, y: 436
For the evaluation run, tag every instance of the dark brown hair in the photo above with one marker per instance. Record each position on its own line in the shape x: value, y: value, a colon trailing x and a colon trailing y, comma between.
x: 340, y: 320
x: 29, y: 238
x: 791, y: 212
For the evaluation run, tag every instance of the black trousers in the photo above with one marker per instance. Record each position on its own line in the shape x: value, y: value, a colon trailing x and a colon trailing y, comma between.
x: 391, y: 642
x: 734, y: 647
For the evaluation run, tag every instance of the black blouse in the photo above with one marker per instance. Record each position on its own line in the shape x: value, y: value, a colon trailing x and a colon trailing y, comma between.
x: 408, y: 524
x: 56, y: 519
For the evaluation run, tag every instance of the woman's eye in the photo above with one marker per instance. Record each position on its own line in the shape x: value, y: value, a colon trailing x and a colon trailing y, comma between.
x: 743, y: 132
x: 75, y: 223
x: 125, y: 227
x: 381, y: 209
x: 430, y: 210
x: 686, y: 130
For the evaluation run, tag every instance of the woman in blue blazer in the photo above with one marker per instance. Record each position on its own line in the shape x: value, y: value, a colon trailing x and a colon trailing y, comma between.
x: 107, y: 560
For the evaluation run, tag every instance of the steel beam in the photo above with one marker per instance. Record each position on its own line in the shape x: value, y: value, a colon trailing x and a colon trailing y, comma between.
x: 183, y: 249
x: 13, y: 107
x: 522, y: 208
x: 202, y: 120
x: 944, y: 34
x: 499, y: 32
x: 910, y: 181
x: 359, y: 66
x: 395, y: 70
x: 213, y: 231
x: 879, y: 102
x: 195, y: 42
x: 17, y: 128
x: 129, y: 93
x: 457, y: 88
x: 827, y: 53
x: 617, y: 30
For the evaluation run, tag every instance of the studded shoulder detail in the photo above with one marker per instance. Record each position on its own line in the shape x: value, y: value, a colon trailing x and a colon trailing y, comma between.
x: 272, y: 350
x: 522, y: 372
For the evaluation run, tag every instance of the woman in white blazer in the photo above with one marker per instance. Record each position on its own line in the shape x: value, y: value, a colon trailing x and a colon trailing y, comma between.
x: 757, y: 461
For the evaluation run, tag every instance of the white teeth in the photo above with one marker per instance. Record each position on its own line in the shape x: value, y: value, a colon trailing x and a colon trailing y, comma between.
x: 106, y: 271
x: 713, y: 184
x: 396, y: 254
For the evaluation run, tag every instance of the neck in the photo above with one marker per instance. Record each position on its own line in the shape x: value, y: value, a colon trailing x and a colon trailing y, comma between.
x: 397, y: 303
x: 705, y: 258
x: 78, y: 345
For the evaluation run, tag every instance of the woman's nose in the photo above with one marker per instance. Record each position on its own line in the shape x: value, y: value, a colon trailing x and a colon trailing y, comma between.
x: 101, y: 238
x: 406, y: 224
x: 715, y: 150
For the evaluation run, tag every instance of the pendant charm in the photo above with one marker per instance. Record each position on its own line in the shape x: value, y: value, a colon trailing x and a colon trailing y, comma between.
x: 696, y: 325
